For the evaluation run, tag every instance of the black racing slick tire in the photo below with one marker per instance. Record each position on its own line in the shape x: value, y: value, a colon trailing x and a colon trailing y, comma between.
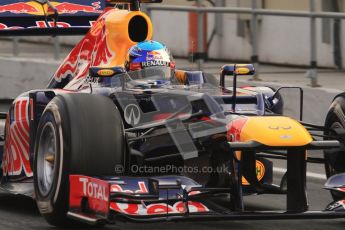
x: 77, y: 134
x: 335, y: 161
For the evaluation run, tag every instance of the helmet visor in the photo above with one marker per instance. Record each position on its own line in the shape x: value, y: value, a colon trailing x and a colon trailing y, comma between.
x: 151, y: 73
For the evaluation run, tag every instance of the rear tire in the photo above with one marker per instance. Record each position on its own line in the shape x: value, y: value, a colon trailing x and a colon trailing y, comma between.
x: 77, y: 134
x: 335, y: 162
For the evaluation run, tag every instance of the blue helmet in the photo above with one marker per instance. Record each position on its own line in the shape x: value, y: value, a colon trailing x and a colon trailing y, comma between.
x: 148, y: 54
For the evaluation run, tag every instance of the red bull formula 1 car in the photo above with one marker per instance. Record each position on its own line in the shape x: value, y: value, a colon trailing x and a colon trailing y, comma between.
x: 101, y: 144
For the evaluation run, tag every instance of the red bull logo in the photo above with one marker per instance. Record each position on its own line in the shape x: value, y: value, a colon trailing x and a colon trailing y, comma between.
x: 35, y: 8
x: 19, y: 8
x: 154, y: 55
x: 93, y: 50
x: 88, y: 9
x: 72, y: 8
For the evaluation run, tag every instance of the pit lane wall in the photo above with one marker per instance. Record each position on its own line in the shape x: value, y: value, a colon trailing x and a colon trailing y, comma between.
x: 282, y: 40
x: 19, y: 75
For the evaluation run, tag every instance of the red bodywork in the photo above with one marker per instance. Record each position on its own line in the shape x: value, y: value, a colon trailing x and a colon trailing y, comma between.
x: 16, y: 154
x: 97, y: 193
x: 91, y: 51
x: 71, y: 8
x: 63, y: 8
x: 235, y: 128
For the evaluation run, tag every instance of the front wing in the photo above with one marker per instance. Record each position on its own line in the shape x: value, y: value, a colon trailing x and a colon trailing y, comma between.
x: 177, y: 198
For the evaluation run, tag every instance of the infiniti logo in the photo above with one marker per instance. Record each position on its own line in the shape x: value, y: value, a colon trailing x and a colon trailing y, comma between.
x: 132, y: 114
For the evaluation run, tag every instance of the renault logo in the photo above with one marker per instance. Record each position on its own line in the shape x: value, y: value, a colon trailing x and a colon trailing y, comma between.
x: 132, y: 114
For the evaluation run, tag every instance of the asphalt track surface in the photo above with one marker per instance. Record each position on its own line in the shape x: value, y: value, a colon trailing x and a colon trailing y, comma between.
x: 17, y: 212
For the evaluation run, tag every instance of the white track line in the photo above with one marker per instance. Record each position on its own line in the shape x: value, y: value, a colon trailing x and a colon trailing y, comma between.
x: 309, y: 174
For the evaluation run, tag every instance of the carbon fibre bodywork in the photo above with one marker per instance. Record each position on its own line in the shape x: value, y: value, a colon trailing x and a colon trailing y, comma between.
x: 190, y: 123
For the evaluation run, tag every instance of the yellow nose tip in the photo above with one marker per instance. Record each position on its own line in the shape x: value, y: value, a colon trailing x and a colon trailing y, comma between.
x: 275, y: 131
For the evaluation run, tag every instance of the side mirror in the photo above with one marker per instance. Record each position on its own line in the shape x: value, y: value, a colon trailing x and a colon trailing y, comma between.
x: 235, y: 70
x: 106, y: 72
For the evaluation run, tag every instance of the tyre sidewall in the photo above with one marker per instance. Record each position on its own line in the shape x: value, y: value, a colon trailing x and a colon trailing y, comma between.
x: 91, y: 140
x: 335, y: 114
x: 56, y: 202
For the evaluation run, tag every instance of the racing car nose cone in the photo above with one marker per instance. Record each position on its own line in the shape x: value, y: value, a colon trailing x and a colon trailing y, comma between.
x: 275, y: 131
x: 50, y: 158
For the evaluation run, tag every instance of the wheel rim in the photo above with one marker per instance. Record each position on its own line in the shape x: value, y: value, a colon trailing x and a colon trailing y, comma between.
x: 46, y: 155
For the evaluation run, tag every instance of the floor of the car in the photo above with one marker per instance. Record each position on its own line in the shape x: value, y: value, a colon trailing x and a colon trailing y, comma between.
x: 18, y: 188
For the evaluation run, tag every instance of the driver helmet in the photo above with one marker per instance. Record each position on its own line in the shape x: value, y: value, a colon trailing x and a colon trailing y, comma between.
x: 148, y: 54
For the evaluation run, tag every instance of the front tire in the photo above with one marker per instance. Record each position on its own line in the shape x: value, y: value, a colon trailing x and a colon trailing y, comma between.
x: 77, y: 134
x: 335, y: 162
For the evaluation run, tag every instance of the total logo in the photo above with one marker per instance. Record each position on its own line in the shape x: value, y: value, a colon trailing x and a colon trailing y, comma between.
x: 93, y: 190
